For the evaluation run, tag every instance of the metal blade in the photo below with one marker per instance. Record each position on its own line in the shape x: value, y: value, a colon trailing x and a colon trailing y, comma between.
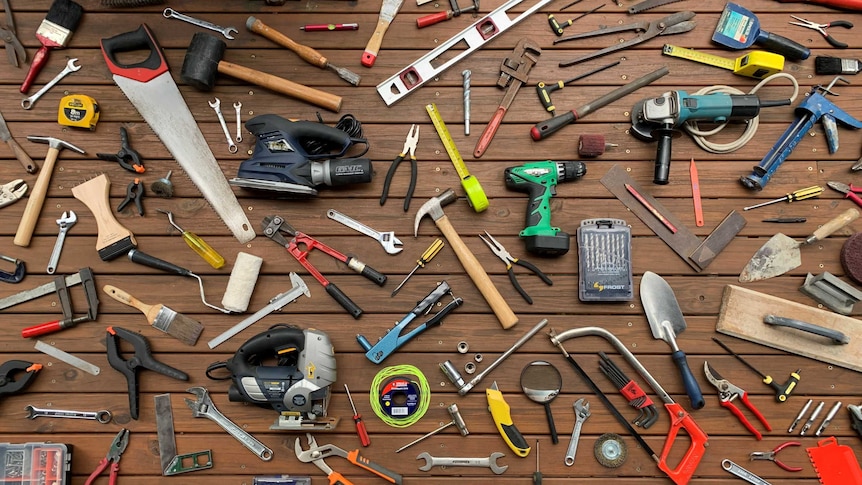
x: 161, y: 104
x: 390, y: 9
x: 5, y: 135
x: 661, y: 308
x: 779, y: 255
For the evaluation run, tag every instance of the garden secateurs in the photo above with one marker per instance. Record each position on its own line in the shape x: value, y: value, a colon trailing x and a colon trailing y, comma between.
x: 727, y: 392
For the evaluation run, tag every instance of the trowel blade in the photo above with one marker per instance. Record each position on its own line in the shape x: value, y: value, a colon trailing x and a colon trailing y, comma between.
x: 779, y: 255
x: 661, y: 308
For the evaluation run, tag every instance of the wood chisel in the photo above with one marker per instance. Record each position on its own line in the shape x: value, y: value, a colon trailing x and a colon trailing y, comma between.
x: 388, y: 11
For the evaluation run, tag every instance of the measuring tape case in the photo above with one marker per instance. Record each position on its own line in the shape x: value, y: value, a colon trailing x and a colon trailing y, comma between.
x: 604, y: 260
x: 36, y: 463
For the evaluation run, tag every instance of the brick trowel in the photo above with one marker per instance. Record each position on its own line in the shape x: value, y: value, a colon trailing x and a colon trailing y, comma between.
x: 666, y: 322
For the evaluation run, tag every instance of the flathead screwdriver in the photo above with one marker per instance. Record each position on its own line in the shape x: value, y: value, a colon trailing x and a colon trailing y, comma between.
x: 357, y: 418
x: 427, y: 256
x: 806, y: 193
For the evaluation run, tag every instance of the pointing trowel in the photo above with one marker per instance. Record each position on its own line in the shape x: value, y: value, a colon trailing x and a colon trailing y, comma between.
x: 666, y: 322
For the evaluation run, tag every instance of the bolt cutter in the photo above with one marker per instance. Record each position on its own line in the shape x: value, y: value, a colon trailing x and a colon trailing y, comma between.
x: 727, y: 392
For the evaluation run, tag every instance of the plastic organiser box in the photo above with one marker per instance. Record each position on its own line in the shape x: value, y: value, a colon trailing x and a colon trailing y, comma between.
x: 604, y: 260
x: 36, y: 464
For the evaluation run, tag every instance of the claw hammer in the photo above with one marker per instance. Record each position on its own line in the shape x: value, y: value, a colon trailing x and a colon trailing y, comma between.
x: 434, y: 208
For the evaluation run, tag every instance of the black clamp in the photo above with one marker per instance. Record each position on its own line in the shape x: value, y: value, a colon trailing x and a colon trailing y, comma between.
x: 134, y: 192
x: 127, y: 157
x: 9, y: 371
x: 142, y: 358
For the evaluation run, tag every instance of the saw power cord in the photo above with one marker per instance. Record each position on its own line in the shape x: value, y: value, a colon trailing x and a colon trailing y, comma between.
x: 400, y: 371
x: 699, y: 136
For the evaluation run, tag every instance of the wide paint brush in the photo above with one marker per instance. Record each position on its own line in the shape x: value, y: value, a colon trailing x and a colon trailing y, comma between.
x: 177, y: 325
x: 54, y: 33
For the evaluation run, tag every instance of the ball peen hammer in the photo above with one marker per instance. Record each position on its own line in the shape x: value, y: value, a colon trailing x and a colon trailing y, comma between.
x: 40, y: 188
x: 434, y: 208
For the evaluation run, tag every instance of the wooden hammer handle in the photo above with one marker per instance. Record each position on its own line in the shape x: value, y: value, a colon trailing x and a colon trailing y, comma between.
x: 316, y: 97
x: 307, y: 54
x: 480, y: 278
x: 36, y: 199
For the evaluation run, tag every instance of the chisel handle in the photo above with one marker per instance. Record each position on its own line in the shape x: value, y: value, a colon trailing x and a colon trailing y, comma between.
x: 692, y: 388
x: 141, y: 257
x: 307, y: 54
x: 833, y: 225
x: 22, y: 156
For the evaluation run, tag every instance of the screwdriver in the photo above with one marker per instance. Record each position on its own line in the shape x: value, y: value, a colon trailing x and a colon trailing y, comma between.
x: 360, y: 425
x: 199, y: 246
x: 800, y: 194
x: 782, y: 391
x: 537, y: 475
x: 429, y: 254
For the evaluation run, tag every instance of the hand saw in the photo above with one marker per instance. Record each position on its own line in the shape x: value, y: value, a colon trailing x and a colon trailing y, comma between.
x: 152, y: 91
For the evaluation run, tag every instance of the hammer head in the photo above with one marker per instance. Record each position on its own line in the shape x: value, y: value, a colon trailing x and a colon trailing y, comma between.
x: 55, y: 143
x: 458, y: 419
x: 200, y: 65
x: 433, y: 207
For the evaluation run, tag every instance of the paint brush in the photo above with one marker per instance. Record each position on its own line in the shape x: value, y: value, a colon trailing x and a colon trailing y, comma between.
x: 54, y: 32
x: 177, y: 325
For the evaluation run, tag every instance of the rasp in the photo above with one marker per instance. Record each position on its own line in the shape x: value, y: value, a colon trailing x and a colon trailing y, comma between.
x: 152, y: 91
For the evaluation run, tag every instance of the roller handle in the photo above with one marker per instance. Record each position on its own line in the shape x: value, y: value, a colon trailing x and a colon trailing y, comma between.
x: 548, y: 127
x: 434, y: 18
x: 39, y: 61
x: 316, y: 97
x: 782, y: 45
x: 307, y: 54
x: 374, y: 43
x: 141, y: 257
x: 343, y: 300
x: 489, y: 132
x: 36, y: 200
x: 692, y: 388
x: 26, y: 162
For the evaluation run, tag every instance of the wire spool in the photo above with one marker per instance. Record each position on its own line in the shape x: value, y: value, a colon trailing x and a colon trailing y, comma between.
x: 398, y: 400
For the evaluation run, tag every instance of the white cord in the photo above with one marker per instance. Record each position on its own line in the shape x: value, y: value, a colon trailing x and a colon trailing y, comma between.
x: 699, y: 136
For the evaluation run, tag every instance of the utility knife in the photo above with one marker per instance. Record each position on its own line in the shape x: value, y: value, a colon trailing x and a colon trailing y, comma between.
x: 503, y: 420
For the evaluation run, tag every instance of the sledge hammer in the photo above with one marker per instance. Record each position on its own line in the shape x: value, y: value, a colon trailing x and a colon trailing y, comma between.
x: 434, y: 208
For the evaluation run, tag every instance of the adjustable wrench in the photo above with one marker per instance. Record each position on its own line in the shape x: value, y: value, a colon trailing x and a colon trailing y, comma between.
x: 204, y: 408
x: 70, y: 68
x: 386, y: 239
x: 103, y: 416
x: 216, y: 105
x: 66, y: 221
x: 582, y: 412
x: 490, y: 462
x: 170, y: 13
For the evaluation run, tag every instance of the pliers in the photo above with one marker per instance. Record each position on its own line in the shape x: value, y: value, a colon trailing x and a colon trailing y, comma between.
x: 12, y: 191
x: 507, y: 258
x: 727, y: 392
x: 15, y: 375
x: 409, y: 148
x: 127, y: 157
x: 822, y: 29
x: 315, y: 454
x: 115, y: 452
x: 849, y: 191
x: 142, y: 358
x: 134, y: 192
x: 770, y: 455
x: 14, y: 50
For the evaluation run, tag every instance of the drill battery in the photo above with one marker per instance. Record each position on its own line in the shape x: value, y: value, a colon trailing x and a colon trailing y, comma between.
x: 604, y: 260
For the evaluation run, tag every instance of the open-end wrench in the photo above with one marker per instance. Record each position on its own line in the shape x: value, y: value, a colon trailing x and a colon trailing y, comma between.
x: 70, y: 68
x: 170, y: 13
x: 582, y: 412
x: 66, y: 221
x: 103, y: 416
x: 238, y: 106
x: 216, y: 106
x: 204, y: 408
x: 742, y: 473
x: 388, y: 240
x: 490, y: 462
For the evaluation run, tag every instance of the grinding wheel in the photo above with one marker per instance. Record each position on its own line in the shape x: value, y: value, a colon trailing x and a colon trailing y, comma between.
x: 610, y: 450
x: 851, y: 257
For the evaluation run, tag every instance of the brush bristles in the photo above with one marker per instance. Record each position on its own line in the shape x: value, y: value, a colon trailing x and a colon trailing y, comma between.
x: 178, y: 326
x: 835, y: 65
x: 65, y: 13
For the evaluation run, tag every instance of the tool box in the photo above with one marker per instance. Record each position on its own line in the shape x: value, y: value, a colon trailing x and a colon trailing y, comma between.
x: 36, y: 464
x: 604, y: 260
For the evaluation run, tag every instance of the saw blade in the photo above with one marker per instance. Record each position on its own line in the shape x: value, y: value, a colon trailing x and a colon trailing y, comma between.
x: 648, y: 4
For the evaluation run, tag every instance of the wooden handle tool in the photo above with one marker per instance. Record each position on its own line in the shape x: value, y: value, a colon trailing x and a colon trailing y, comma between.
x: 114, y: 239
x: 26, y: 162
x: 36, y: 200
x: 316, y: 97
x: 149, y: 311
x: 388, y: 11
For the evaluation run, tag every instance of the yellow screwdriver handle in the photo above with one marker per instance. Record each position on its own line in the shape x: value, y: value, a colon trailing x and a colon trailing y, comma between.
x: 203, y: 249
x: 805, y: 193
x: 429, y: 253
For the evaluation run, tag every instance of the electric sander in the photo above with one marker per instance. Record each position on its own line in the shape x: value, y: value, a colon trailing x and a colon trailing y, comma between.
x: 295, y: 158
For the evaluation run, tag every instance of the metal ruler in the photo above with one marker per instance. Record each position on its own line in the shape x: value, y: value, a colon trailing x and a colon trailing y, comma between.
x: 475, y: 195
x: 475, y: 36
x: 756, y: 64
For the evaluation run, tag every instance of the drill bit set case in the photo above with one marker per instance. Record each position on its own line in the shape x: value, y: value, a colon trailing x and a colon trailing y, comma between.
x: 604, y: 260
x: 36, y: 464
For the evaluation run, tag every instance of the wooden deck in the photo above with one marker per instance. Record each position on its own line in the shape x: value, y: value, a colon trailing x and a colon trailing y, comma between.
x: 699, y: 294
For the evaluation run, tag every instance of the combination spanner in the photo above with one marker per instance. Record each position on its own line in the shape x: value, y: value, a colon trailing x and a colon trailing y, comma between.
x: 203, y: 407
x: 216, y: 105
x: 170, y: 13
x: 238, y: 106
x: 103, y: 416
x: 742, y: 473
x: 66, y: 221
x: 388, y: 240
x: 490, y: 462
x: 582, y: 412
x: 69, y: 69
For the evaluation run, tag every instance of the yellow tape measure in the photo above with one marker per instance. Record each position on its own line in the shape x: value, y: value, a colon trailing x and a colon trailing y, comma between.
x: 756, y: 64
x: 475, y: 195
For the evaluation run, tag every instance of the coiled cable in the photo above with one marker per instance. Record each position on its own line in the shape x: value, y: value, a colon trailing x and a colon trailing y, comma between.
x: 385, y: 375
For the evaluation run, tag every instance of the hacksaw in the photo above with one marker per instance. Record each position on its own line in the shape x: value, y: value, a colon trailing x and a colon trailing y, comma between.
x: 152, y: 91
x: 475, y: 36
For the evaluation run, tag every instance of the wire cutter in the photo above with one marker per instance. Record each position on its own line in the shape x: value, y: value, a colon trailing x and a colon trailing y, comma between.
x: 770, y: 456
x: 409, y: 148
x: 14, y: 50
x: 134, y: 192
x: 727, y: 392
x: 10, y: 371
x: 127, y: 157
x: 315, y: 454
x: 849, y: 191
x: 822, y: 29
x: 142, y: 358
x: 507, y: 258
x: 115, y: 452
x: 677, y: 23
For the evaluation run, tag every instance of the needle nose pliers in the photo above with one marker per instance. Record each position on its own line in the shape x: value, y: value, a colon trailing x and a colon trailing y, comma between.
x: 409, y: 149
x: 727, y: 392
x: 507, y: 258
x: 822, y: 29
x: 770, y: 456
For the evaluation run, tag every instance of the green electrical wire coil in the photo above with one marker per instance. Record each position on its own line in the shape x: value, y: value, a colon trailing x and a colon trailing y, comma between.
x: 398, y: 400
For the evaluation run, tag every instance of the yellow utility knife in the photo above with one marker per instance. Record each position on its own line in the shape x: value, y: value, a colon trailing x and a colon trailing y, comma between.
x: 503, y: 420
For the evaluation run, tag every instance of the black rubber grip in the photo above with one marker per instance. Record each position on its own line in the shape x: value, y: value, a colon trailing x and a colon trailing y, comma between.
x: 367, y: 271
x: 140, y: 39
x: 546, y: 128
x: 518, y: 287
x: 692, y: 388
x: 344, y: 300
x: 662, y: 159
x: 790, y: 49
x: 141, y: 257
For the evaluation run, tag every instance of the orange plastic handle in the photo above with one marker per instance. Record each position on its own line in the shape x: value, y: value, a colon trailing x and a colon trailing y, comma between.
x: 336, y: 478
x: 686, y: 467
x: 432, y: 19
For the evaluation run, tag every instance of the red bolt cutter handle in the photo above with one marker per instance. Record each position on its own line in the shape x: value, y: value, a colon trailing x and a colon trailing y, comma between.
x: 684, y: 470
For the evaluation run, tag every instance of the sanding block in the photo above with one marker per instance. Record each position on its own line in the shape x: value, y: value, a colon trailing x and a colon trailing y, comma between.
x: 114, y: 240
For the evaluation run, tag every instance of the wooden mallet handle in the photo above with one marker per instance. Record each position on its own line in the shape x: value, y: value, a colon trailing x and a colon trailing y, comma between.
x: 316, y: 97
x: 307, y: 54
x: 36, y: 199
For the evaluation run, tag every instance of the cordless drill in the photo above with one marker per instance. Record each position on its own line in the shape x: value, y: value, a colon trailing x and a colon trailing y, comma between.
x: 539, y: 180
x: 658, y: 118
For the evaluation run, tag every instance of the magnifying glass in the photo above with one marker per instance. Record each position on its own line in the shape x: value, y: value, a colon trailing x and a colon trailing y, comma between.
x: 541, y: 382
